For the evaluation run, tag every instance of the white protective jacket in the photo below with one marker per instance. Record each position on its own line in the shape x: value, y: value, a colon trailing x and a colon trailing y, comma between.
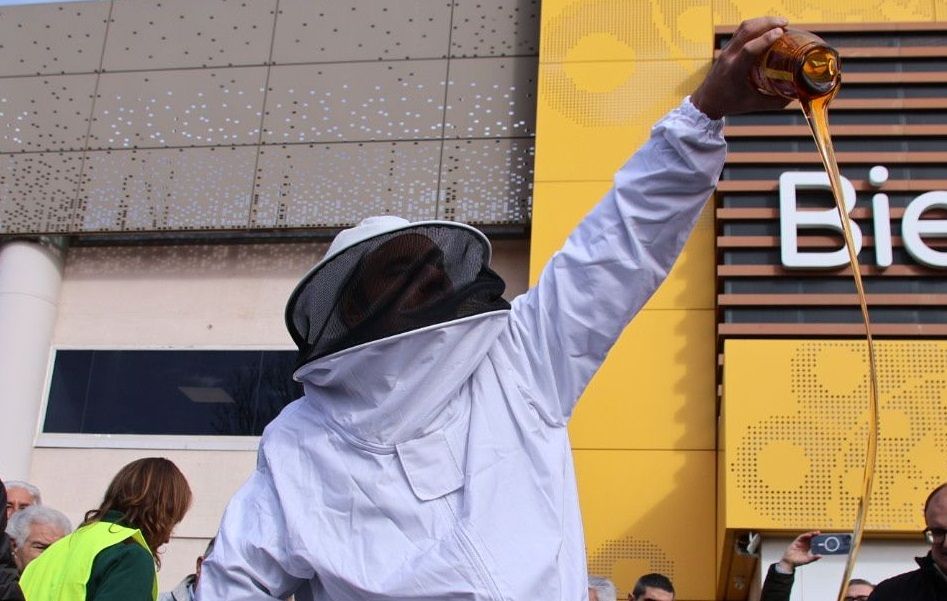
x: 435, y: 465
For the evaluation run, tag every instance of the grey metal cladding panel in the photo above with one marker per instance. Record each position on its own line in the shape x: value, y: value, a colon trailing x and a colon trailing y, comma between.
x: 487, y: 181
x: 188, y: 33
x: 491, y: 97
x: 400, y: 100
x: 318, y: 31
x: 50, y: 112
x: 333, y: 185
x: 196, y: 107
x: 45, y: 39
x: 495, y: 28
x: 166, y: 189
x: 37, y: 191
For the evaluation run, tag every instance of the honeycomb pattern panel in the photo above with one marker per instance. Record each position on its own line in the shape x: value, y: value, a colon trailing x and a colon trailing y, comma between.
x: 491, y: 97
x: 52, y: 39
x: 37, y: 191
x: 183, y: 33
x: 45, y: 113
x: 483, y: 28
x: 601, y: 107
x: 334, y: 185
x: 361, y: 30
x: 197, y: 107
x: 801, y: 463
x: 614, y: 551
x: 401, y: 100
x: 598, y: 30
x: 731, y: 12
x: 487, y: 181
x: 166, y: 189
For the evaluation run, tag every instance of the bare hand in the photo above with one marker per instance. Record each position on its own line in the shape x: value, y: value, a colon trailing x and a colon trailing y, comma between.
x: 799, y: 552
x: 727, y: 89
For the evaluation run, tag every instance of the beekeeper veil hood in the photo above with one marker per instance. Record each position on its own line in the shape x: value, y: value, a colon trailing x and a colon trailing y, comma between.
x: 387, y: 276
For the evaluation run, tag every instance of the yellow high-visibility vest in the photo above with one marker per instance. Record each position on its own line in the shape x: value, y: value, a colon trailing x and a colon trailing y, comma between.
x: 62, y: 571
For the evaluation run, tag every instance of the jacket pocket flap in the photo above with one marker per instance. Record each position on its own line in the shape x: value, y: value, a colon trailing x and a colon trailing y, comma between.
x: 430, y: 466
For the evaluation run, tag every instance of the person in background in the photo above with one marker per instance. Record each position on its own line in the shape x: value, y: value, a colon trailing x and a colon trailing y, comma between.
x: 184, y: 591
x: 929, y: 581
x: 33, y: 530
x: 858, y: 590
x: 9, y: 575
x: 21, y: 495
x: 112, y: 556
x: 777, y: 586
x: 652, y: 587
x: 602, y: 589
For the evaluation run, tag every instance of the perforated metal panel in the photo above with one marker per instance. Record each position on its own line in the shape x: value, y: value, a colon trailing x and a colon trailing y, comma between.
x: 614, y: 552
x: 491, y: 98
x: 495, y: 28
x: 622, y: 30
x: 313, y: 185
x: 166, y: 189
x: 841, y: 11
x: 486, y: 181
x: 796, y: 454
x: 201, y: 107
x: 39, y: 189
x: 46, y: 39
x: 173, y: 34
x: 401, y: 100
x: 45, y: 113
x: 322, y: 31
x: 288, y: 95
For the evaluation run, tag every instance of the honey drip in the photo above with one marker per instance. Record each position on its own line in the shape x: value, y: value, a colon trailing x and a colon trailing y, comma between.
x: 816, y: 111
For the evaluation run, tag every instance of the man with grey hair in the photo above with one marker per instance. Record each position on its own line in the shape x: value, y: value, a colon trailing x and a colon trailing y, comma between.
x: 33, y: 530
x: 21, y: 495
x: 602, y: 589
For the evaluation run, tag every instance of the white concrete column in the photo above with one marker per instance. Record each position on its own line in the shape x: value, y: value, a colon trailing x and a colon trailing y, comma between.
x: 30, y: 280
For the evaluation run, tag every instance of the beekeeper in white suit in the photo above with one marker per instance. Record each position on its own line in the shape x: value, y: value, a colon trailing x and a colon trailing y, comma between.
x: 429, y: 458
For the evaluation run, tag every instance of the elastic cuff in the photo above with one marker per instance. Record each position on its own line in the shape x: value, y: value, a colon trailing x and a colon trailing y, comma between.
x: 687, y: 108
x: 780, y: 570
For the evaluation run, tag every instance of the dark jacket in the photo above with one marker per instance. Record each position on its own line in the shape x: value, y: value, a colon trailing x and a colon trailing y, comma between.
x: 777, y: 586
x: 923, y: 584
x: 9, y: 575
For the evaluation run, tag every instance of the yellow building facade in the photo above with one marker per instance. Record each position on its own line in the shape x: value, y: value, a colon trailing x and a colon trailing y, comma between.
x: 659, y: 491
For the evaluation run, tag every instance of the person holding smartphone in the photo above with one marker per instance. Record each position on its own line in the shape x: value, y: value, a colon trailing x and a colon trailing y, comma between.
x: 781, y: 575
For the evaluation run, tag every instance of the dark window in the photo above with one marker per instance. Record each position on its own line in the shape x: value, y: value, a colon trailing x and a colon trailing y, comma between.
x: 232, y: 393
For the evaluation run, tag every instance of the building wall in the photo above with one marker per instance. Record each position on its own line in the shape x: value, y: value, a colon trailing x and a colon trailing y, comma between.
x: 644, y: 433
x: 181, y: 297
x: 141, y: 116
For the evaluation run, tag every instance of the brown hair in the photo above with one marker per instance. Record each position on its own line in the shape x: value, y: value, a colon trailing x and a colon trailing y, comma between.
x: 152, y: 495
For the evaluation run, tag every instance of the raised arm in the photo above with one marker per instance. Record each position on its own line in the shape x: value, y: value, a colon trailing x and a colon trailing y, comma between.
x: 620, y: 253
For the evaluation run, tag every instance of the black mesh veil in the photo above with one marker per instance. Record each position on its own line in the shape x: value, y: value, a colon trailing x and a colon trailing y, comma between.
x: 392, y: 283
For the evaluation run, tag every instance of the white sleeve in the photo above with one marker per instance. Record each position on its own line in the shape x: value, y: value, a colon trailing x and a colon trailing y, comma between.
x: 250, y: 560
x: 616, y: 258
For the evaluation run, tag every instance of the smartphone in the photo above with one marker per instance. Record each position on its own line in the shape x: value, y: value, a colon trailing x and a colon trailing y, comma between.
x: 831, y: 544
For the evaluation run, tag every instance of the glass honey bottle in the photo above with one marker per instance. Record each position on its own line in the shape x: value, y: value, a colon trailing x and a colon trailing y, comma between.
x: 799, y: 65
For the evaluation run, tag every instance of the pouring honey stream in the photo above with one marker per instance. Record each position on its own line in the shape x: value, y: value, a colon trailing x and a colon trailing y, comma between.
x: 802, y: 66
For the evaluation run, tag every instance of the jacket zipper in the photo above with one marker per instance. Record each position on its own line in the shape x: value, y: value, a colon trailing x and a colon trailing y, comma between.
x: 479, y: 565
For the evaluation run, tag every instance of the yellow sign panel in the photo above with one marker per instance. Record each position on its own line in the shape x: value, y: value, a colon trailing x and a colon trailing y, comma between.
x: 795, y: 432
x: 650, y: 511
